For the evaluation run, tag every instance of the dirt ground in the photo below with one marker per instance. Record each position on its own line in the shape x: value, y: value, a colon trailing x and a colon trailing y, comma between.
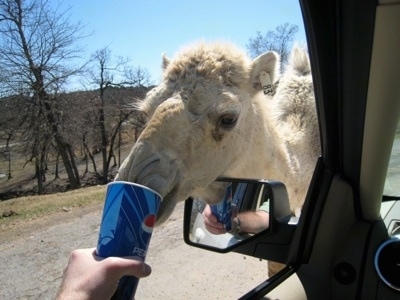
x: 32, y: 261
x: 33, y: 255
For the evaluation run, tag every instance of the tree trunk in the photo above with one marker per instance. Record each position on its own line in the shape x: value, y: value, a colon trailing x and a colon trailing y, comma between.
x: 40, y: 169
x: 74, y: 166
x: 56, y: 176
x: 87, y: 151
x: 63, y: 148
x: 39, y: 177
x: 103, y: 137
x: 86, y: 164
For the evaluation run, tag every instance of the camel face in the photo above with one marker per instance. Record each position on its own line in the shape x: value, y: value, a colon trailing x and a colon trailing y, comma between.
x: 201, y: 123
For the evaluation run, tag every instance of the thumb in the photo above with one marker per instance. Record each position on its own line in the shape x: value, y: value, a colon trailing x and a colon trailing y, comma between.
x: 130, y: 266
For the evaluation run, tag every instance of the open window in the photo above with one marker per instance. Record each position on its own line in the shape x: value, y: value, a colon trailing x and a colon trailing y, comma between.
x: 340, y: 232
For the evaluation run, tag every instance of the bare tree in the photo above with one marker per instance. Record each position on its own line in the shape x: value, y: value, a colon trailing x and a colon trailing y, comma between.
x: 114, y: 79
x: 278, y: 40
x: 37, y: 46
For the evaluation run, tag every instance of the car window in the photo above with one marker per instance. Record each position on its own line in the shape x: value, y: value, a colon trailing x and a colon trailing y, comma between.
x: 392, y: 183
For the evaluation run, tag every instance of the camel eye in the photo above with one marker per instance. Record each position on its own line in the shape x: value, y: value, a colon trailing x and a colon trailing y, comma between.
x: 228, y: 121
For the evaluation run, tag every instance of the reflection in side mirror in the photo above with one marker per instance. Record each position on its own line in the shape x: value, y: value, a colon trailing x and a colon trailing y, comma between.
x: 226, y: 223
x: 242, y: 214
x: 271, y: 241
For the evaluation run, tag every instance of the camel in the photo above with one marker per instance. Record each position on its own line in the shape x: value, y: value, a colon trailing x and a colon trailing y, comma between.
x: 217, y: 113
x: 295, y: 120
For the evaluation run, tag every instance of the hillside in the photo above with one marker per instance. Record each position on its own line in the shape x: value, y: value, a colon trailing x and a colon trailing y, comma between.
x: 24, y: 183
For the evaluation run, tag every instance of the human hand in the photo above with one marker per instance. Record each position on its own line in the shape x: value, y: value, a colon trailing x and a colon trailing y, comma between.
x: 211, y: 222
x: 88, y: 276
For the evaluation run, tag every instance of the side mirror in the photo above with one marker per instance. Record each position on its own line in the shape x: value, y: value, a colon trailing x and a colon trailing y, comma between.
x: 271, y: 241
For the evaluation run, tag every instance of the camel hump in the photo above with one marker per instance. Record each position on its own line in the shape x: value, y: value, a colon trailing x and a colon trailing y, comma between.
x: 299, y: 63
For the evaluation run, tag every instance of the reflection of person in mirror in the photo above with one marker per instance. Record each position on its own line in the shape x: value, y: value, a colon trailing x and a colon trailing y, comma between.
x: 248, y: 221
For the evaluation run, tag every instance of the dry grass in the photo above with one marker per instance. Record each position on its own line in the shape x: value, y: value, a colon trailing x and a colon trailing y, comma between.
x: 41, y: 211
x: 21, y: 171
x: 38, y: 207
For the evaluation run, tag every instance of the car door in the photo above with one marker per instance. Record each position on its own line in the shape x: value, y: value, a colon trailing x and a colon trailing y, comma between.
x: 353, y: 48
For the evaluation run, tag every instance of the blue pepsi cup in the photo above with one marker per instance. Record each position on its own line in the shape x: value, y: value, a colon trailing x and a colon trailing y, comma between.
x: 129, y: 215
x: 223, y: 209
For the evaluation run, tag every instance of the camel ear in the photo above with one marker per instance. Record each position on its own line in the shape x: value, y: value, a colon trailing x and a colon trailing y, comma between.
x: 165, y: 61
x: 299, y: 63
x: 264, y: 72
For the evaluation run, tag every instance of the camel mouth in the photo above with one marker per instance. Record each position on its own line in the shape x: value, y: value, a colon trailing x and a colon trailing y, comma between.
x: 167, y: 205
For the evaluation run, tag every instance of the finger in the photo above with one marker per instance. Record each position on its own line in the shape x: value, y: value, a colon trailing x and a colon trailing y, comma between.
x: 133, y: 261
x: 213, y: 218
x: 129, y: 266
x: 216, y: 224
x: 208, y: 215
x: 214, y: 227
x: 214, y: 230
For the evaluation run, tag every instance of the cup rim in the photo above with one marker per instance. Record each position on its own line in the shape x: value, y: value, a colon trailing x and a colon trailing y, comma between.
x: 135, y: 184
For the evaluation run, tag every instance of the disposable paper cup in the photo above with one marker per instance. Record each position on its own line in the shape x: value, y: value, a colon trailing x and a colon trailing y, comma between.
x: 223, y: 209
x: 129, y: 216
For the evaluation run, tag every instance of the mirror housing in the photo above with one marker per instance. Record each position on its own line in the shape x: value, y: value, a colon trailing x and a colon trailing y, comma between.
x: 272, y: 243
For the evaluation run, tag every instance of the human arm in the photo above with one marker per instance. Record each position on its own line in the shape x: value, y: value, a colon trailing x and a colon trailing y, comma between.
x: 253, y: 221
x: 88, y: 276
x: 250, y: 221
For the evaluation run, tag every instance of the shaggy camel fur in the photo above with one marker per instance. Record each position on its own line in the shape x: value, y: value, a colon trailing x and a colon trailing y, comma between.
x: 296, y: 122
x: 216, y: 113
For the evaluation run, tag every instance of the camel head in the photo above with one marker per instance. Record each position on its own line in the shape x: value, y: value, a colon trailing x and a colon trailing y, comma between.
x: 200, y: 123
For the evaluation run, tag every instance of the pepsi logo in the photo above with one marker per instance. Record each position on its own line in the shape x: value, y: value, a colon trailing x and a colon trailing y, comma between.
x: 148, y: 223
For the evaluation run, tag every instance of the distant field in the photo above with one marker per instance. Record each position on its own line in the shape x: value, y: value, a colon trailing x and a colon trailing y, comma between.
x: 20, y: 169
x: 37, y: 207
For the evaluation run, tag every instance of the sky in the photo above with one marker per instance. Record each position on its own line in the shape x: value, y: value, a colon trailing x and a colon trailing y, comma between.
x: 142, y: 30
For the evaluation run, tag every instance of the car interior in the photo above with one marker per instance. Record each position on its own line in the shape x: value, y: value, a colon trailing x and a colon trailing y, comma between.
x: 346, y: 243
